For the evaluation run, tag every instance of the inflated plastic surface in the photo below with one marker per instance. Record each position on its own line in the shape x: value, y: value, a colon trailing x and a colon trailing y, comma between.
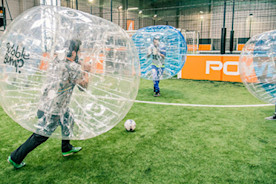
x: 258, y: 67
x: 66, y: 73
x: 162, y: 51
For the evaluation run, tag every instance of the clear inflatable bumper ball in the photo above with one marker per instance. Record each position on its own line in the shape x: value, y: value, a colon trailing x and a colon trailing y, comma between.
x: 162, y: 51
x: 258, y: 66
x: 67, y: 74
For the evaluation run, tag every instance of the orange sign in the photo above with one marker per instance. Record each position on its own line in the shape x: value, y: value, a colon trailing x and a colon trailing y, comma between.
x: 204, y: 47
x: 212, y: 67
x: 130, y: 25
x: 231, y: 69
x: 240, y: 47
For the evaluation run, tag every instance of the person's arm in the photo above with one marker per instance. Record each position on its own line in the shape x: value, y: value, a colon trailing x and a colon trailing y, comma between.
x: 149, y: 52
x: 163, y: 56
x: 163, y: 53
x: 83, y: 82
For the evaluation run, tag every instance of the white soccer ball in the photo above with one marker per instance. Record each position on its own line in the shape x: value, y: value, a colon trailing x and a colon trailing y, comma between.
x: 130, y: 125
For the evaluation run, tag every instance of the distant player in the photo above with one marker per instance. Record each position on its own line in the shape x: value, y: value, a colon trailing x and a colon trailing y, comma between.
x: 157, y: 54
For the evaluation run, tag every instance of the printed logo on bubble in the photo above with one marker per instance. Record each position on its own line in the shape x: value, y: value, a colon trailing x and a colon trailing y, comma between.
x: 16, y: 56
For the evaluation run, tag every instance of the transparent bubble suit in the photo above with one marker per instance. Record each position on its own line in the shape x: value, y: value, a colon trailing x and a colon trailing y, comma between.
x: 162, y: 51
x: 38, y: 88
x: 258, y: 66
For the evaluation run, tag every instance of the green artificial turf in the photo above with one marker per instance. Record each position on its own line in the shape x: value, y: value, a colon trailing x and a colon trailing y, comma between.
x: 171, y: 144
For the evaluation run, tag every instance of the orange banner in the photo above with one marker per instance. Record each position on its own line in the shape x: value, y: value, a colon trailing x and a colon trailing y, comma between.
x: 240, y: 47
x: 231, y: 69
x: 130, y: 25
x: 212, y: 67
x: 204, y: 47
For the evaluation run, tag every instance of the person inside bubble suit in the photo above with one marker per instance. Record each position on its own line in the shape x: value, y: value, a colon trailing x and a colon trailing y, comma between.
x: 64, y: 74
x: 157, y: 54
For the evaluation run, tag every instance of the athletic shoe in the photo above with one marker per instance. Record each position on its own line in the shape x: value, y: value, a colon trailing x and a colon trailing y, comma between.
x: 72, y: 151
x: 15, y: 165
x: 156, y: 94
x: 271, y: 117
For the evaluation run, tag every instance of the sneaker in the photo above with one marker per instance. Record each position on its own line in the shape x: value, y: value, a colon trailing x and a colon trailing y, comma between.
x: 72, y: 151
x: 15, y: 165
x: 271, y: 117
x: 156, y: 94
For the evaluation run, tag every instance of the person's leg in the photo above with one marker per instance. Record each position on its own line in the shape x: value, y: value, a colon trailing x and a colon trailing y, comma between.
x: 272, y: 117
x: 45, y: 127
x: 31, y: 143
x: 154, y: 77
x: 66, y: 129
x: 156, y: 86
x: 67, y: 123
x: 66, y: 146
x: 159, y: 74
x: 47, y: 124
x: 157, y: 89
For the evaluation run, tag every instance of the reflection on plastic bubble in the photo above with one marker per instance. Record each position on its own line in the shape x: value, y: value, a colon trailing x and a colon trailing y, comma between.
x: 258, y: 66
x: 162, y: 51
x: 67, y: 70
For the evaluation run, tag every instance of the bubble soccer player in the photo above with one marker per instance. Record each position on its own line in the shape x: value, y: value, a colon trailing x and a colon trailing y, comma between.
x: 162, y: 53
x: 158, y: 55
x: 53, y: 106
x: 257, y: 67
x: 273, y: 117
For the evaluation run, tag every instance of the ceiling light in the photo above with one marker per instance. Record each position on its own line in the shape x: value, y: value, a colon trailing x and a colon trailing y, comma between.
x: 134, y: 8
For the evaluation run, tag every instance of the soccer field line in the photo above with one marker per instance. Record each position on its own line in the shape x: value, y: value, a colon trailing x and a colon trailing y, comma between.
x: 203, y: 105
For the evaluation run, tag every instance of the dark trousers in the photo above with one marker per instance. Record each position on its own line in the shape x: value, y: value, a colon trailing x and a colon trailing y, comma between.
x: 46, y: 129
x: 32, y: 142
x: 156, y: 74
